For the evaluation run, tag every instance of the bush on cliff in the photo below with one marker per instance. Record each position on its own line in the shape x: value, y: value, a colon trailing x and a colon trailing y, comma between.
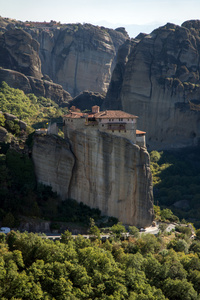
x: 29, y: 108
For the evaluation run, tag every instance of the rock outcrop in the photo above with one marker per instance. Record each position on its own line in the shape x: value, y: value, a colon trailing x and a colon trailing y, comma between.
x: 54, y: 163
x: 79, y: 57
x: 112, y: 100
x: 101, y: 170
x: 161, y: 76
x: 39, y: 87
x: 20, y: 52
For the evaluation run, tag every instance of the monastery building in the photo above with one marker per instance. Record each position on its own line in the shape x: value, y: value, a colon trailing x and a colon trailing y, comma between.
x: 115, y: 122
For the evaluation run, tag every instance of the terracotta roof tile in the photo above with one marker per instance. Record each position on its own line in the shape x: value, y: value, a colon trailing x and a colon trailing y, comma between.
x: 140, y: 132
x: 107, y: 114
x: 75, y: 115
x: 114, y: 114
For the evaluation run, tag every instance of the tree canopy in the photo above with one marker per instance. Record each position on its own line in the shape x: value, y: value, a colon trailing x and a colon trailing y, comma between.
x: 33, y: 267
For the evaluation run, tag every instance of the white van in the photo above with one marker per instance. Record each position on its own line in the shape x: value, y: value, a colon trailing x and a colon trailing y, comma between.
x: 4, y: 230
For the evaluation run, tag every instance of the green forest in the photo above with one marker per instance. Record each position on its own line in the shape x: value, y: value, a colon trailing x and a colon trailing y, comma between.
x: 144, y: 267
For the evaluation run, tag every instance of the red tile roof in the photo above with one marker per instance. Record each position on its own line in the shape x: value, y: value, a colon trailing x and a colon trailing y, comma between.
x: 107, y: 114
x: 75, y: 115
x: 140, y: 132
x: 114, y: 114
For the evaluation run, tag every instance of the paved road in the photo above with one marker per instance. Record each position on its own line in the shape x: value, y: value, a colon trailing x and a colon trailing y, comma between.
x: 152, y: 230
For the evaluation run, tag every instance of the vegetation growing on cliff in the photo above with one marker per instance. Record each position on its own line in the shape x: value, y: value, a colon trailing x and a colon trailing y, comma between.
x: 35, y: 111
x: 176, y: 177
x: 146, y: 267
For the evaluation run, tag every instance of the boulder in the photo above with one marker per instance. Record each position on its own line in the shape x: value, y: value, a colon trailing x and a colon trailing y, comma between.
x: 3, y: 134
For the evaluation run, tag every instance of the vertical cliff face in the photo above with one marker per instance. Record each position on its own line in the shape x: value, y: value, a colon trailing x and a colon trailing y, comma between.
x: 53, y: 162
x: 20, y: 52
x: 109, y: 173
x: 112, y: 100
x: 79, y: 57
x: 161, y: 75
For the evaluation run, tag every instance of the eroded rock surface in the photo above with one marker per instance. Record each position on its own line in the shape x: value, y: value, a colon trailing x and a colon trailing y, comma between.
x: 79, y: 57
x: 20, y: 52
x: 36, y: 86
x: 101, y: 170
x: 54, y: 162
x: 161, y: 76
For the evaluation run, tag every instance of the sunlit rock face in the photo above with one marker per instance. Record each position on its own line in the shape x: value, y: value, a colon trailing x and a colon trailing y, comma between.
x: 101, y: 170
x: 79, y: 57
x: 53, y: 162
x: 161, y: 76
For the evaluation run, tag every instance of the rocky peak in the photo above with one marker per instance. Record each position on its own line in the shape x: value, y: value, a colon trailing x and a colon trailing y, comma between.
x: 160, y: 78
x: 79, y: 57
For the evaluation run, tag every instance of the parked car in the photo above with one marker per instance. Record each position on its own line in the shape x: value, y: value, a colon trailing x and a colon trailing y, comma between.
x: 142, y: 229
x: 4, y: 230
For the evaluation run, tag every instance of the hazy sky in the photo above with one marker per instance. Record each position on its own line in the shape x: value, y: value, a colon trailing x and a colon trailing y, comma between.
x: 111, y: 13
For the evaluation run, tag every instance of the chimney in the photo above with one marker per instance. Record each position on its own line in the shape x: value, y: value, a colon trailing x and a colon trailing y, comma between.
x: 95, y: 109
